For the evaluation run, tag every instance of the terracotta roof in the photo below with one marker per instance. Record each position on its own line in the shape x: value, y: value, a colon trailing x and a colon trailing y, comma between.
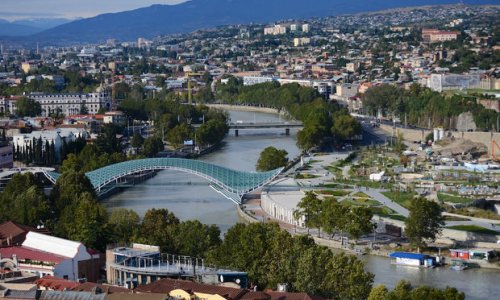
x: 256, y: 296
x: 11, y: 230
x: 17, y: 232
x: 27, y: 253
x: 165, y: 286
x: 292, y: 296
x: 107, y: 289
x: 55, y: 283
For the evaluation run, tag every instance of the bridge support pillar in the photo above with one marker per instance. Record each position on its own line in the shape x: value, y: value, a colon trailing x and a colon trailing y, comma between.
x: 287, y: 131
x: 236, y: 132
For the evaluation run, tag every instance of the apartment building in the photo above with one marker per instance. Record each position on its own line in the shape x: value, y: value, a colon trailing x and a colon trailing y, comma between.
x: 436, y: 35
x: 71, y: 104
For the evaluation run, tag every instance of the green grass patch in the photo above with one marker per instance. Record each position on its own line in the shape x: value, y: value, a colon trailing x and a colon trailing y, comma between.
x: 402, y: 198
x: 394, y: 217
x: 453, y: 218
x: 475, y: 212
x: 337, y: 193
x: 361, y: 194
x: 474, y: 229
x: 305, y: 176
x: 453, y: 199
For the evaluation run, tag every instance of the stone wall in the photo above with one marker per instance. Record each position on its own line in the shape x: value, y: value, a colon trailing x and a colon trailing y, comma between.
x: 420, y: 134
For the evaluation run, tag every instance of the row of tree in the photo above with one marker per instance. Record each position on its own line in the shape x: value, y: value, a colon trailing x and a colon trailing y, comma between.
x: 174, y: 121
x: 423, y: 107
x: 44, y: 153
x: 321, y: 119
x: 333, y: 216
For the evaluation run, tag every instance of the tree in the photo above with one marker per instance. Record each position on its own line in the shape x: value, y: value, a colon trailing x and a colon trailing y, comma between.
x: 271, y: 158
x: 124, y: 224
x: 23, y: 201
x: 192, y: 238
x: 346, y: 278
x: 379, y: 292
x: 85, y: 221
x: 345, y: 127
x: 270, y: 256
x: 153, y: 145
x: 69, y: 186
x: 137, y: 140
x: 404, y: 290
x: 424, y: 222
x: 334, y: 216
x: 309, y: 207
x: 360, y: 222
x: 26, y: 107
x: 71, y: 163
x: 107, y: 141
x: 177, y: 135
x: 157, y: 229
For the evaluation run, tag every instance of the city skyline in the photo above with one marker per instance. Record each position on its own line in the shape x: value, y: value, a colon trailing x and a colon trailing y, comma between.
x: 13, y: 10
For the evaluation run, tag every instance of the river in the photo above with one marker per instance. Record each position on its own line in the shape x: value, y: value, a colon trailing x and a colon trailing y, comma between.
x: 190, y: 197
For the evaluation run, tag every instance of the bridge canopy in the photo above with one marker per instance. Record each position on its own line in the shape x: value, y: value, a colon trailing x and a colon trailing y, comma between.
x: 230, y: 181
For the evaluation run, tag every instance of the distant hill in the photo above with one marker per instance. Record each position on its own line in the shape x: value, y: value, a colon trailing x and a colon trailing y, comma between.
x: 11, y: 29
x: 28, y: 26
x: 157, y: 20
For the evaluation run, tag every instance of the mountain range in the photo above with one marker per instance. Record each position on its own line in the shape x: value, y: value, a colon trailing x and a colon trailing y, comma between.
x: 158, y: 20
x: 26, y: 27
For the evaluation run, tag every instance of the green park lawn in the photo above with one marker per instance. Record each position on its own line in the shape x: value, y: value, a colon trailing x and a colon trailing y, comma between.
x: 402, y: 198
x: 474, y: 229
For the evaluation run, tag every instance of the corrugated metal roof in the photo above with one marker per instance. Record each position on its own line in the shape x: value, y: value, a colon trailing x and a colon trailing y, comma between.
x: 408, y: 255
x: 70, y: 295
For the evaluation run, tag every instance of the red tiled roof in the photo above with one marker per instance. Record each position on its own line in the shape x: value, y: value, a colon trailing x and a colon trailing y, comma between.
x: 292, y: 296
x: 165, y: 286
x: 56, y: 283
x: 12, y: 229
x: 108, y: 289
x: 32, y: 254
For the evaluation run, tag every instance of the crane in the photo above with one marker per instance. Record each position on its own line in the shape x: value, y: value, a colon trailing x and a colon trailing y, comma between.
x: 190, y: 93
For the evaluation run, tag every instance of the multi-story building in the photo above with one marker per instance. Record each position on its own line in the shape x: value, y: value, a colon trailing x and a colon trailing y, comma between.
x: 442, y: 82
x: 305, y: 28
x: 301, y: 41
x: 71, y: 104
x: 275, y: 30
x: 436, y: 35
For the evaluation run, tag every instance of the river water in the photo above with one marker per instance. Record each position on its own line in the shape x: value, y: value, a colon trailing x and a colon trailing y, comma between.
x: 190, y: 197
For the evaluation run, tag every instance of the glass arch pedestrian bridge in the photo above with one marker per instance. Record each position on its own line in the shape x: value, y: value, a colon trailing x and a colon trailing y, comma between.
x: 230, y: 183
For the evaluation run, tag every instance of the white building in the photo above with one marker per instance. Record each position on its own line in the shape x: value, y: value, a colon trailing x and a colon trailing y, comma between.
x: 70, y: 104
x: 442, y: 82
x: 275, y: 30
x: 301, y: 41
x: 305, y: 28
x: 251, y: 80
x: 57, y: 137
x: 347, y: 90
x: 47, y: 255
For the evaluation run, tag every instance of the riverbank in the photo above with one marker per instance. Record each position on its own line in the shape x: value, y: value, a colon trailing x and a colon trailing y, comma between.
x: 246, y: 108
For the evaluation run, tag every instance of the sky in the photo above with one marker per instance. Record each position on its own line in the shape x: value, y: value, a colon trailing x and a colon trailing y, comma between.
x: 71, y: 9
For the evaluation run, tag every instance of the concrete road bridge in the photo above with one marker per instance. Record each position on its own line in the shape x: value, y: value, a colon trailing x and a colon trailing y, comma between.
x: 230, y: 183
x: 287, y: 125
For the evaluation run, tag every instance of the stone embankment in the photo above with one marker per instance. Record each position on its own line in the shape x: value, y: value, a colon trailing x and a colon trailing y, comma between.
x: 420, y: 134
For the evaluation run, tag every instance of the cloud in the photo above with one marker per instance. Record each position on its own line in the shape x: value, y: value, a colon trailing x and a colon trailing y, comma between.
x: 21, y: 9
